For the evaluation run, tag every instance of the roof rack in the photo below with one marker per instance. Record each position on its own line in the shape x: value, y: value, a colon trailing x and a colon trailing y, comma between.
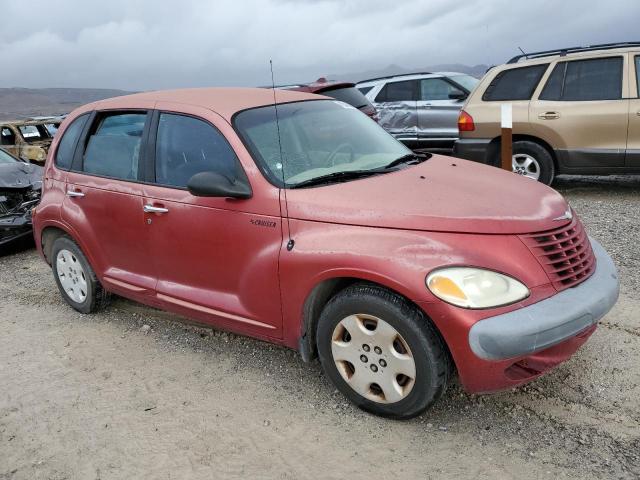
x: 393, y: 76
x: 564, y: 51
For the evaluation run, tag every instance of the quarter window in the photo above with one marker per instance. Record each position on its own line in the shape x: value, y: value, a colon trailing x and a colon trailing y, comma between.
x: 398, y: 92
x: 7, y: 137
x: 113, y: 149
x: 514, y: 84
x: 435, y: 89
x: 585, y: 80
x: 186, y: 146
x: 67, y: 145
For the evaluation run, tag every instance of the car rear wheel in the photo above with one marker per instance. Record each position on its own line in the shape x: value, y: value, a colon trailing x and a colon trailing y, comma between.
x: 381, y: 352
x: 75, y: 278
x: 533, y: 161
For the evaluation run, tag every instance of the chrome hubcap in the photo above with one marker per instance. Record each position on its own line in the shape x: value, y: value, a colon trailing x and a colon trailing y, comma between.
x: 525, y: 165
x: 71, y: 276
x: 373, y: 358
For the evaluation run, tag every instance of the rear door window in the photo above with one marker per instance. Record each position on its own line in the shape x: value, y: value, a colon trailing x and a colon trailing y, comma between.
x: 365, y: 90
x: 113, y: 148
x: 514, y: 84
x: 435, y: 89
x: 186, y: 146
x: 585, y: 80
x: 404, y: 91
x: 33, y: 133
x: 67, y: 145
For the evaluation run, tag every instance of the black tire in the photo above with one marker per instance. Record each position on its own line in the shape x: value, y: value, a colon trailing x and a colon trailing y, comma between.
x: 96, y: 296
x: 431, y: 357
x: 541, y: 155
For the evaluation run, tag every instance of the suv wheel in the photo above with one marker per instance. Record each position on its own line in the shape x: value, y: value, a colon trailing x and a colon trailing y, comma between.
x: 76, y: 279
x: 381, y: 352
x: 533, y: 161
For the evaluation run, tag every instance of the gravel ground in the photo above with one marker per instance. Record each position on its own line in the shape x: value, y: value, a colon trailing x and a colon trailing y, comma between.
x: 133, y: 392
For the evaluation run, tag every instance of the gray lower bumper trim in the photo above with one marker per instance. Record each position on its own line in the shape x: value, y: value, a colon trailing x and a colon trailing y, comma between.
x: 472, y: 149
x: 551, y: 321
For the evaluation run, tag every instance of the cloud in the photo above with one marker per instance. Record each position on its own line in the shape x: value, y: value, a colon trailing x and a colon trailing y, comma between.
x: 149, y: 44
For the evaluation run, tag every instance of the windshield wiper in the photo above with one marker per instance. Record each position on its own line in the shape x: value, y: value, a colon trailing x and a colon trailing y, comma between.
x: 417, y: 157
x: 338, y: 176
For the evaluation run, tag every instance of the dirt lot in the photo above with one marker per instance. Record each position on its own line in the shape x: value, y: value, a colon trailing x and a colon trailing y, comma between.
x: 101, y: 397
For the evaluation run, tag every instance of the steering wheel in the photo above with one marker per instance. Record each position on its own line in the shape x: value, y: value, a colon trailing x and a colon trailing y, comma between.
x: 343, y: 146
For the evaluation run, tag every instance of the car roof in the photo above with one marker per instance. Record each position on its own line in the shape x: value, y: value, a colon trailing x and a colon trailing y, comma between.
x: 224, y: 101
x: 522, y: 60
x: 407, y: 76
x: 19, y: 123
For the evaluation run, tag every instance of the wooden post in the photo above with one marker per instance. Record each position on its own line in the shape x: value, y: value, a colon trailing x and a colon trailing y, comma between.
x: 506, y: 142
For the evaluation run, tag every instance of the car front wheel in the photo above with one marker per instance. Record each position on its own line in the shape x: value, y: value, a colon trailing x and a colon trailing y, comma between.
x: 382, y: 352
x: 533, y: 161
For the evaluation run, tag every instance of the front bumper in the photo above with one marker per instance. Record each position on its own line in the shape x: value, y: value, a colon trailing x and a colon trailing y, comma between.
x: 475, y: 149
x: 552, y: 321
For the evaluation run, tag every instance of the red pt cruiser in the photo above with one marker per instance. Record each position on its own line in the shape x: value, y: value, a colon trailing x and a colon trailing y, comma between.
x: 304, y: 223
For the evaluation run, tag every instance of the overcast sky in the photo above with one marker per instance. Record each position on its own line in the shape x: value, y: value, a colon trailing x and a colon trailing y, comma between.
x: 150, y: 44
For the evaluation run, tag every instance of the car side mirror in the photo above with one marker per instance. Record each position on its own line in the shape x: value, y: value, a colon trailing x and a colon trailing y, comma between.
x: 211, y: 184
x: 457, y: 95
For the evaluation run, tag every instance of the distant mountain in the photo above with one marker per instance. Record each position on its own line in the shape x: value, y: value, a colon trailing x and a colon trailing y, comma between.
x: 476, y: 71
x: 18, y: 103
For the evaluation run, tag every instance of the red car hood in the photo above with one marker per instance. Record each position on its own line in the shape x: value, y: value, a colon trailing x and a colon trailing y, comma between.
x: 443, y: 194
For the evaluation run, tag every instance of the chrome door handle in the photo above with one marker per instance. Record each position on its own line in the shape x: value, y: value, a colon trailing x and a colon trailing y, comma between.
x: 152, y: 209
x: 73, y: 193
x: 549, y: 116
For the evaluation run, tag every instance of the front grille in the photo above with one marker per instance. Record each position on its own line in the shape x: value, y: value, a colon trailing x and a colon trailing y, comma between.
x: 565, y: 253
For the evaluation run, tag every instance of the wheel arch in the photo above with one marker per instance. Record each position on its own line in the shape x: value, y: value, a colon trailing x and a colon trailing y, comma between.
x: 47, y: 238
x: 493, y: 151
x: 324, y: 291
x: 51, y: 232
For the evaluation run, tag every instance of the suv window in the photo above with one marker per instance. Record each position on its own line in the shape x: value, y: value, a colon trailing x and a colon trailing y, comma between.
x: 435, y: 89
x: 398, y: 92
x: 67, y: 145
x: 584, y: 80
x: 514, y: 84
x: 186, y: 146
x: 113, y: 149
x: 365, y: 90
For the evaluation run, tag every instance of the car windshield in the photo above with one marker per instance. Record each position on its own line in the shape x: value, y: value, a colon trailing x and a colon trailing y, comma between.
x: 6, y: 158
x: 467, y: 81
x: 317, y: 138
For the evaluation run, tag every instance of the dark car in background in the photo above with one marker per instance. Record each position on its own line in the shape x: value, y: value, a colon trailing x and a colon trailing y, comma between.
x: 20, y: 186
x: 343, y: 91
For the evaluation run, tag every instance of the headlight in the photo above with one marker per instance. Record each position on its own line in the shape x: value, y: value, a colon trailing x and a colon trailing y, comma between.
x: 475, y: 287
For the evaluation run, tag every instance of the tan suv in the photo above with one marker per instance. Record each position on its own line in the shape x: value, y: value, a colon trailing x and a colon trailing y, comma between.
x: 575, y: 111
